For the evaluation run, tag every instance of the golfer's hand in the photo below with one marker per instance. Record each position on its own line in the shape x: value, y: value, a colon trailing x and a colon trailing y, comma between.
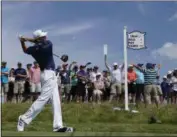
x: 22, y: 39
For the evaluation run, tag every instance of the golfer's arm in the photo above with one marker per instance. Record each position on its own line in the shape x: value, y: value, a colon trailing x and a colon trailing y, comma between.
x: 31, y: 40
x: 24, y: 47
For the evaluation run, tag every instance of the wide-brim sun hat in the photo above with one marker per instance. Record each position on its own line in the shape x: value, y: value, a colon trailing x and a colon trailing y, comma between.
x: 39, y: 33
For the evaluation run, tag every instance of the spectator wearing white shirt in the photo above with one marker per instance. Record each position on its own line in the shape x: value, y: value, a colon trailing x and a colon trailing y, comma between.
x: 174, y: 87
x: 98, y: 88
x: 94, y: 73
x: 116, y: 80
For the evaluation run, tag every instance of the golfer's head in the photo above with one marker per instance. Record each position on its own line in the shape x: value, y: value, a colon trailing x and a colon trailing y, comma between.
x: 39, y: 35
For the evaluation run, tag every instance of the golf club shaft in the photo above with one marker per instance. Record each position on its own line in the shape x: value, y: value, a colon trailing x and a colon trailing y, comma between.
x: 56, y: 55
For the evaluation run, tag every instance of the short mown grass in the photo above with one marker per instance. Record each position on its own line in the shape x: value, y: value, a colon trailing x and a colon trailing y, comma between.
x: 95, y: 118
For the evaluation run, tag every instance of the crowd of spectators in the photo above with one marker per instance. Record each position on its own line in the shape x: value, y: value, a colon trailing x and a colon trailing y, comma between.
x: 82, y: 83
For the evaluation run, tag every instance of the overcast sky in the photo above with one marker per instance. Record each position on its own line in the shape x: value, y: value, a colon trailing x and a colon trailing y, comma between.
x: 80, y: 29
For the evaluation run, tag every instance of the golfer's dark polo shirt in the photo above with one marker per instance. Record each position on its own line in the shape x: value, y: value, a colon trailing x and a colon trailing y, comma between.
x: 42, y: 52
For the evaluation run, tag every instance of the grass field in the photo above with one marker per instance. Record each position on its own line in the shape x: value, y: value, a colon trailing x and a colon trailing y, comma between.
x: 93, y: 120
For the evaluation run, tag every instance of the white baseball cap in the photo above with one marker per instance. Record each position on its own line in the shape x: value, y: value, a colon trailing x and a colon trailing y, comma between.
x: 169, y: 72
x: 130, y: 65
x: 39, y: 33
x: 115, y: 64
x: 98, y: 74
x: 165, y: 77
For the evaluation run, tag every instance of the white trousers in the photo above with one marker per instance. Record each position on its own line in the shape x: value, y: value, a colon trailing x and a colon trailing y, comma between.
x: 49, y: 91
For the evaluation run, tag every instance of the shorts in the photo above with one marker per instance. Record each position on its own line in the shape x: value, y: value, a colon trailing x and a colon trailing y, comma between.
x: 174, y: 94
x: 4, y: 88
x: 19, y: 87
x: 65, y: 88
x: 131, y: 88
x: 35, y: 88
x: 139, y: 91
x: 159, y: 90
x: 81, y: 91
x: 150, y: 90
x: 123, y: 88
x: 97, y: 92
x: 116, y: 88
x: 73, y: 90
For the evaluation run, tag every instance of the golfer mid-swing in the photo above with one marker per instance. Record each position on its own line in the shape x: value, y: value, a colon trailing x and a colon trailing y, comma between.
x: 43, y: 54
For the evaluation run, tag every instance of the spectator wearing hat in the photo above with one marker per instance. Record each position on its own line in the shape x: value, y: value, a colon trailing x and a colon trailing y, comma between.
x: 164, y: 88
x: 20, y: 77
x: 139, y: 84
x: 27, y: 85
x: 169, y: 86
x: 94, y: 73
x: 4, y: 80
x: 174, y: 87
x: 159, y: 89
x: 82, y: 80
x: 74, y: 82
x: 131, y: 83
x: 90, y: 85
x: 150, y: 88
x: 107, y: 84
x: 11, y: 84
x: 98, y: 88
x: 66, y: 81
x: 65, y: 75
x: 116, y: 77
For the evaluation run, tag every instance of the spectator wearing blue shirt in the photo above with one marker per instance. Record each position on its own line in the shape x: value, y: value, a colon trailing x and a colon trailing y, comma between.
x: 4, y: 80
x: 19, y: 86
x: 139, y: 84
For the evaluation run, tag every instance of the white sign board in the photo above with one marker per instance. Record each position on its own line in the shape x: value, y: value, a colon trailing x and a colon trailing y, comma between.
x: 136, y: 40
